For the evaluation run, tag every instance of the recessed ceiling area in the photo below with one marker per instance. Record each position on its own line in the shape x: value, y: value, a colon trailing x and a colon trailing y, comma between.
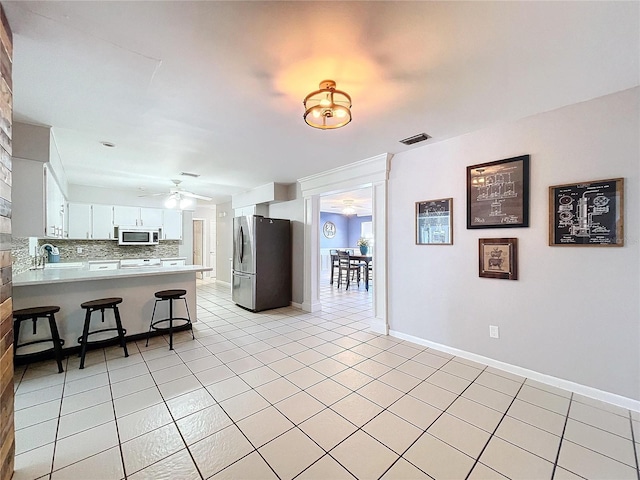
x: 359, y: 199
x: 217, y: 87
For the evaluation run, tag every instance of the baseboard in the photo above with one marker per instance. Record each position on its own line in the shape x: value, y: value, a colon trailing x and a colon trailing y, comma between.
x: 379, y: 327
x: 296, y: 305
x: 228, y: 284
x: 590, y: 392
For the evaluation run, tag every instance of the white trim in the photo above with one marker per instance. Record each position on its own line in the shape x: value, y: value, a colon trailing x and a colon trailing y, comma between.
x: 297, y: 305
x: 372, y: 172
x: 228, y: 284
x: 590, y: 392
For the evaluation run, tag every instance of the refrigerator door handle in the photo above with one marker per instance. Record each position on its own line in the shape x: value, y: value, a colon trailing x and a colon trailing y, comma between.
x: 241, y: 244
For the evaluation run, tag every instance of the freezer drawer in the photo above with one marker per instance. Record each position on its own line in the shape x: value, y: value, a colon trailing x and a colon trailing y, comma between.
x: 243, y: 290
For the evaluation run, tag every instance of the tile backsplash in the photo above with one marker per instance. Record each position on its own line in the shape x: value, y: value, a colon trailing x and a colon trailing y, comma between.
x: 90, y: 250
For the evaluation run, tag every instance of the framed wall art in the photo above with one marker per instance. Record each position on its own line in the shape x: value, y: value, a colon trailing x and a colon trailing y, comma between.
x: 498, y: 258
x: 498, y: 194
x: 434, y: 222
x: 329, y: 229
x: 589, y: 214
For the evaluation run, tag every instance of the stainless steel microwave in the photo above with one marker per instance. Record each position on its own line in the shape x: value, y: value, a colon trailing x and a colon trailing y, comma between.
x: 138, y: 236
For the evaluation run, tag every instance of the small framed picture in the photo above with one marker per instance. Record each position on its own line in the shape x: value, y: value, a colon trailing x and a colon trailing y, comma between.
x: 498, y: 194
x: 589, y: 214
x: 434, y: 222
x: 498, y: 258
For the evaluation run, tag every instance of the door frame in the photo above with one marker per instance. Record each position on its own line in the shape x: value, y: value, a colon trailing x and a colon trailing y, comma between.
x: 203, y: 241
x: 372, y: 172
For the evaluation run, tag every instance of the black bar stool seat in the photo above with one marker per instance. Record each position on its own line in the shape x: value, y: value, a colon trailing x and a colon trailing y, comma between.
x: 33, y: 314
x: 93, y: 306
x: 167, y: 324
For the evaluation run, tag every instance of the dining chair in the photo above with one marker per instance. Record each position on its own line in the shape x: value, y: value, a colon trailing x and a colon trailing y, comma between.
x: 346, y: 268
x: 334, y: 263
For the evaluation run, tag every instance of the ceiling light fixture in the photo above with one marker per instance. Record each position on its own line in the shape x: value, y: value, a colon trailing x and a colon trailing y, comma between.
x: 176, y: 200
x: 348, y: 207
x: 327, y: 108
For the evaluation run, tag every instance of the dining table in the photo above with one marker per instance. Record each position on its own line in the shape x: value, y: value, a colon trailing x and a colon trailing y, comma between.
x: 366, y: 259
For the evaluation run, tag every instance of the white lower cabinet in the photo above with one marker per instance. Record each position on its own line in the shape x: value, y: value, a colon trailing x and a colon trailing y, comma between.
x: 108, y: 265
x: 173, y: 263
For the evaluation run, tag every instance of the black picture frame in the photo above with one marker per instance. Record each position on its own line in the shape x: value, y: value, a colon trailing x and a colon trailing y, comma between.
x: 587, y: 214
x: 434, y: 222
x: 498, y: 194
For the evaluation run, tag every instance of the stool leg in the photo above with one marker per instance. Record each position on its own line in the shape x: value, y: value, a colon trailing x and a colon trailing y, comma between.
x: 57, y: 348
x: 123, y: 344
x: 171, y: 324
x: 85, y: 337
x: 151, y: 324
x: 189, y: 317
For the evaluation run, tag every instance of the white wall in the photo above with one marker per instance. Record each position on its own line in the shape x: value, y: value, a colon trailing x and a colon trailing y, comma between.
x: 224, y: 238
x: 294, y: 211
x: 208, y: 215
x: 574, y: 312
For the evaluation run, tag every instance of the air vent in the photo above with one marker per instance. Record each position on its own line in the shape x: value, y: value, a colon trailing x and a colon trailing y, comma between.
x: 421, y: 137
x: 188, y: 174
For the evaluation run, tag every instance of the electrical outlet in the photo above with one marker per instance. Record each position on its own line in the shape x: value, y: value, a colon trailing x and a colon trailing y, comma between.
x: 78, y: 249
x: 494, y: 332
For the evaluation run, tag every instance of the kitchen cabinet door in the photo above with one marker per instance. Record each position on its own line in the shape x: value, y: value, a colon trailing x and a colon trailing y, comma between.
x: 150, y: 217
x: 79, y: 217
x: 102, y: 222
x: 54, y: 207
x: 126, y: 216
x: 172, y: 225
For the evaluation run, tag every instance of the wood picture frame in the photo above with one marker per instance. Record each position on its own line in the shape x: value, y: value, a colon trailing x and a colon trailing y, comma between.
x: 498, y: 194
x: 498, y: 258
x: 588, y: 214
x: 434, y: 222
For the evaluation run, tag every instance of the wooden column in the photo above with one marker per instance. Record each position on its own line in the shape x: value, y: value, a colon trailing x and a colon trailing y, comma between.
x: 7, y: 435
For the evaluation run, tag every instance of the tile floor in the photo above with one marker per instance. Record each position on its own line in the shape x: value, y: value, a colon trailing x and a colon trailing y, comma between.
x: 287, y: 394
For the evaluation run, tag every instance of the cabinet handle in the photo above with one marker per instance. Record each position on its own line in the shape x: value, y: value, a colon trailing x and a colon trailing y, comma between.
x: 103, y: 267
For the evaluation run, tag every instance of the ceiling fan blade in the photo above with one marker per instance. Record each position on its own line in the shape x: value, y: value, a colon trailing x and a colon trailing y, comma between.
x: 151, y: 194
x: 195, y: 195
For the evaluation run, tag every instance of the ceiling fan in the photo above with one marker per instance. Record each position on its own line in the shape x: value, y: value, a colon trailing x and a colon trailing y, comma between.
x: 348, y: 207
x: 178, y: 197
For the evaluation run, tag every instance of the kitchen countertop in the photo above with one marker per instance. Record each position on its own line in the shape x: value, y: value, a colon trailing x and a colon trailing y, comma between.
x: 66, y: 275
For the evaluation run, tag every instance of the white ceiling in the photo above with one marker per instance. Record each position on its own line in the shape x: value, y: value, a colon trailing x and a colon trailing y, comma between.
x: 216, y: 88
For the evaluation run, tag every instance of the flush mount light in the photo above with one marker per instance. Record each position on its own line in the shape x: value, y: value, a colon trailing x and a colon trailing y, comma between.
x: 348, y: 208
x: 327, y: 108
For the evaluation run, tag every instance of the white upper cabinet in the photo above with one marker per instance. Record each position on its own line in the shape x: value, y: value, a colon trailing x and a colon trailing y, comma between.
x: 102, y: 222
x: 79, y: 217
x: 137, y: 216
x: 150, y: 217
x: 54, y: 207
x: 126, y: 216
x: 172, y: 225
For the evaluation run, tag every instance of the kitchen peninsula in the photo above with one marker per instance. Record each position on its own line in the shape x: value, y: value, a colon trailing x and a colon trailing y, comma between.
x: 69, y: 287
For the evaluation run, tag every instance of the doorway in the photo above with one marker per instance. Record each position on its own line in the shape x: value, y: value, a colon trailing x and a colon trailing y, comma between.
x: 346, y: 218
x: 198, y: 245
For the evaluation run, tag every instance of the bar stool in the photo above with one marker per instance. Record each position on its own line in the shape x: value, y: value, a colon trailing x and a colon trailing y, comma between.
x: 33, y: 314
x: 170, y: 296
x: 93, y: 306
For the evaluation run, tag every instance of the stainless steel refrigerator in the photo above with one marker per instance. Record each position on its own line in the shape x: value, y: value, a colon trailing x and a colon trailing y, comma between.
x: 261, y: 262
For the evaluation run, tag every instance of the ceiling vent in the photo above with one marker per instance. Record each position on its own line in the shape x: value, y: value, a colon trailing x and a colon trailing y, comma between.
x: 421, y: 137
x: 188, y: 174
